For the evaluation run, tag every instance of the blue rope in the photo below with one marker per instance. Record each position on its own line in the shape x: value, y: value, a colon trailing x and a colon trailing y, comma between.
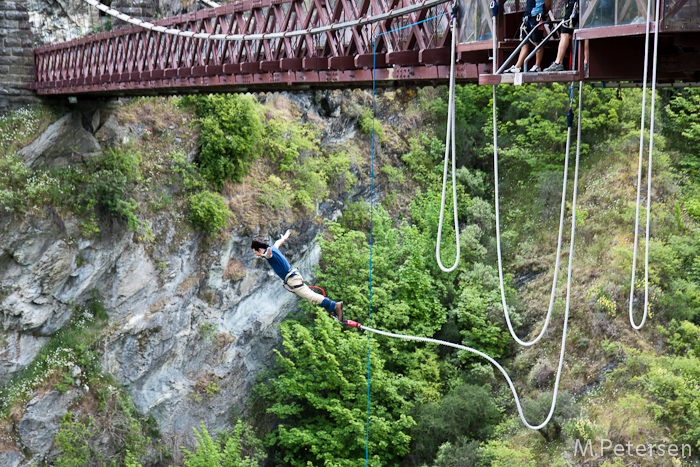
x: 371, y: 241
x: 371, y: 209
x: 412, y: 24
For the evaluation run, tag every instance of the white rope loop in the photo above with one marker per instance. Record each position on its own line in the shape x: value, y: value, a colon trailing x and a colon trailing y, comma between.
x: 649, y: 166
x: 450, y: 143
x: 498, y: 234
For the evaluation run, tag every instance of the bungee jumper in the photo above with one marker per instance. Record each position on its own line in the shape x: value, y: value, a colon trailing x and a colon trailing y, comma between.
x: 292, y: 277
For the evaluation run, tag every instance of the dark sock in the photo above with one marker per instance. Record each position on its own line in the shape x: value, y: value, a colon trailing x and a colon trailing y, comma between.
x: 328, y: 304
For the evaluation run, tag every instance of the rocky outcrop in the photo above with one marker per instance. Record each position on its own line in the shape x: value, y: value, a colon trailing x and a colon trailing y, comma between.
x: 41, y: 421
x: 55, y: 21
x: 12, y: 458
x: 111, y: 133
x: 18, y: 352
x: 168, y: 339
x: 63, y: 143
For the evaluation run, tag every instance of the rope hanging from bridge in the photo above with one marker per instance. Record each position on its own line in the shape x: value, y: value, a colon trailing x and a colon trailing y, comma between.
x: 450, y: 138
x: 639, y: 170
x: 571, y: 246
x: 273, y: 35
x: 561, y: 220
x: 458, y: 346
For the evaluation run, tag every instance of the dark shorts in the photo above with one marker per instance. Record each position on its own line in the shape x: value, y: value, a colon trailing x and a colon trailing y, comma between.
x: 536, y: 36
x: 567, y: 15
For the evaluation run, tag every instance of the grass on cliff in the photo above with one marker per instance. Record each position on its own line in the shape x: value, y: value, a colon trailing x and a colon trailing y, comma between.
x: 20, y: 127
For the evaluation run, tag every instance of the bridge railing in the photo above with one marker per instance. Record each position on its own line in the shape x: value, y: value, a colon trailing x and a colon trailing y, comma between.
x: 138, y: 54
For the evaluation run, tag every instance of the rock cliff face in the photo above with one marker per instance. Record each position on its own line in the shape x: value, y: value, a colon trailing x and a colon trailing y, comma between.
x: 206, y: 311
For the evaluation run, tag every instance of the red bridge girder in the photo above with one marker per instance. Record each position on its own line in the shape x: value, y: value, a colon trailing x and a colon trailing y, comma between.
x: 135, y: 60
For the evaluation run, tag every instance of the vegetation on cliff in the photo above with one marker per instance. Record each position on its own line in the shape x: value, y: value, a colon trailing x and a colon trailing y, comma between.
x: 260, y: 169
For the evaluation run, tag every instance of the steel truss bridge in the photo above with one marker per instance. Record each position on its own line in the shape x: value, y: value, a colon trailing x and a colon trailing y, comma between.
x: 304, y: 44
x: 136, y: 60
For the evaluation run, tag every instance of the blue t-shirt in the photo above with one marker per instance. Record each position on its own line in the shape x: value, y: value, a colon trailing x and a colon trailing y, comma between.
x: 534, y: 7
x: 278, y: 262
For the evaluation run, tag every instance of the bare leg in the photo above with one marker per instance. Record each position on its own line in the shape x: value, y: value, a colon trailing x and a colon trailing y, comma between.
x: 538, y: 57
x: 563, y: 47
x: 523, y: 54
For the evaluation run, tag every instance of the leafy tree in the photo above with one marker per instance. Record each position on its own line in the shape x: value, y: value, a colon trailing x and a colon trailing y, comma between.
x: 406, y: 298
x: 683, y: 127
x: 468, y: 412
x: 320, y: 396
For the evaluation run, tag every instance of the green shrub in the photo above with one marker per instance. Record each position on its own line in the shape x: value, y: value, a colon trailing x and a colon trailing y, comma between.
x: 13, y: 179
x: 580, y: 428
x: 237, y: 448
x: 286, y: 140
x: 310, y: 183
x: 208, y: 211
x: 501, y: 453
x: 682, y: 337
x: 461, y: 453
x: 115, y: 173
x: 536, y: 410
x: 130, y: 460
x: 231, y: 130
x: 355, y: 216
x: 74, y: 440
x: 366, y: 121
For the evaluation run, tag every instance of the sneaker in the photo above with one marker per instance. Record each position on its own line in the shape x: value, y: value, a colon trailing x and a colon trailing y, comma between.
x: 513, y: 69
x: 338, y: 311
x: 535, y: 69
x: 554, y: 67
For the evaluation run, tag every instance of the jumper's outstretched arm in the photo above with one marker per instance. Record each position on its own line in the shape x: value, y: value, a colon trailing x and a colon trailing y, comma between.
x: 284, y: 237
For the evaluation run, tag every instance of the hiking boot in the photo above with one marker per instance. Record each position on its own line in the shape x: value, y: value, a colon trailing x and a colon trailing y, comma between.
x: 338, y: 311
x: 513, y: 69
x: 554, y: 67
x: 535, y: 69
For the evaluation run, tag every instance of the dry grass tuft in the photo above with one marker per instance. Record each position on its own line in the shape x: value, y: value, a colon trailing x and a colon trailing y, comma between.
x: 235, y: 270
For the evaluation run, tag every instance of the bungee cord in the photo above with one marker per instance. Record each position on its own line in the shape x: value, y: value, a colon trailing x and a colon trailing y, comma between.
x: 450, y: 138
x: 649, y: 164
